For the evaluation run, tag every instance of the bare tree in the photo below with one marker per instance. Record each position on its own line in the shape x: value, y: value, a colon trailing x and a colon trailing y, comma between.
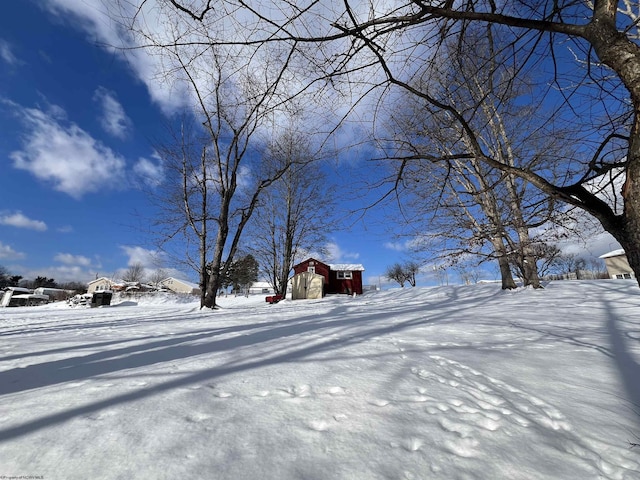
x: 411, y: 269
x: 606, y: 44
x: 403, y: 273
x: 396, y: 273
x: 547, y: 256
x: 389, y: 38
x: 567, y: 263
x: 295, y: 211
x: 475, y: 204
x: 597, y: 268
x: 135, y: 273
x: 234, y: 96
x: 183, y: 200
x: 157, y: 275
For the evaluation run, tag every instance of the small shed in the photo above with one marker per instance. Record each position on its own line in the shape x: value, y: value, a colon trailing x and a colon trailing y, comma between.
x: 617, y: 264
x: 307, y: 285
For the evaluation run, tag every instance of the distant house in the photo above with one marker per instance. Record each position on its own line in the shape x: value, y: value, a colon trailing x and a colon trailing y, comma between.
x: 617, y: 264
x: 338, y: 278
x: 260, y: 288
x: 100, y: 284
x: 180, y: 286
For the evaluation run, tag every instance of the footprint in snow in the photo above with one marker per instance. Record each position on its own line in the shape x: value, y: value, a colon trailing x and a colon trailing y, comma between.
x: 299, y: 391
x: 464, y: 447
x: 197, y: 417
x: 222, y: 394
x: 337, y: 391
x: 318, y: 425
x: 411, y: 444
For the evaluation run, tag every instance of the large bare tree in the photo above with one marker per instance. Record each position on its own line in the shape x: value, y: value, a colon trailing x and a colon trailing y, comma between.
x: 294, y: 214
x: 183, y: 200
x: 464, y: 201
x: 235, y: 96
x: 589, y: 51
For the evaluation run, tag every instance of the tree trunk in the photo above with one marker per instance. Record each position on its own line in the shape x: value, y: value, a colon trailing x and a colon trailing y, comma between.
x: 618, y: 52
x: 288, y: 247
x: 503, y: 262
x: 630, y: 240
x: 213, y: 283
x: 529, y: 265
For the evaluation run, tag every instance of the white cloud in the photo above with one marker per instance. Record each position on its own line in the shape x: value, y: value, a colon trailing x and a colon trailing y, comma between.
x: 21, y: 221
x: 148, y: 258
x: 150, y: 172
x: 335, y: 254
x: 7, y: 252
x: 69, y: 259
x: 397, y: 246
x: 408, y: 245
x: 6, y: 54
x: 92, y: 16
x: 63, y: 154
x: 61, y: 274
x: 114, y: 119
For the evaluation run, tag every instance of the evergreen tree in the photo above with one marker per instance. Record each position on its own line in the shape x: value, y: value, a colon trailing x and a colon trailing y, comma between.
x: 243, y: 273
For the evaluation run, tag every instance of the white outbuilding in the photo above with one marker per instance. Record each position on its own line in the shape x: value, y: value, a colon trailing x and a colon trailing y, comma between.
x: 617, y: 264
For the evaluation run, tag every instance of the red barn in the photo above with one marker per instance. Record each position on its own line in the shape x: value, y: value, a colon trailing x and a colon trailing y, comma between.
x: 338, y: 278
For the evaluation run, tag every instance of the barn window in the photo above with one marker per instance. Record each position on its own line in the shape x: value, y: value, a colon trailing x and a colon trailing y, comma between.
x: 344, y: 275
x: 311, y: 269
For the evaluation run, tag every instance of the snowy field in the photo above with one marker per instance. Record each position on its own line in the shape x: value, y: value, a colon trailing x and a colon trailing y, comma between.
x: 433, y: 383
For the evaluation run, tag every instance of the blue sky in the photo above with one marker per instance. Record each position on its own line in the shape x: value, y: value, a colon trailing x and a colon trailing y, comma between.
x: 78, y: 122
x: 78, y: 127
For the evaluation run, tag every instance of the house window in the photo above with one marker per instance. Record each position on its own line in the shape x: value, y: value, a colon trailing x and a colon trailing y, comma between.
x: 344, y: 275
x: 311, y: 269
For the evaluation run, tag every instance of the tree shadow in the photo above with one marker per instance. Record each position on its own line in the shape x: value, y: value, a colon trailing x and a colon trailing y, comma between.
x: 626, y: 364
x: 282, y: 341
x: 344, y: 331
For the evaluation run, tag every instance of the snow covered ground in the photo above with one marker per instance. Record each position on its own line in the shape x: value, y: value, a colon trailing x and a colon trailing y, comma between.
x: 425, y: 383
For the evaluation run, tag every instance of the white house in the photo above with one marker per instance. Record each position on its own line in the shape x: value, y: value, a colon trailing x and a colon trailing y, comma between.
x: 261, y: 287
x: 617, y: 264
x: 99, y: 285
x: 180, y: 286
